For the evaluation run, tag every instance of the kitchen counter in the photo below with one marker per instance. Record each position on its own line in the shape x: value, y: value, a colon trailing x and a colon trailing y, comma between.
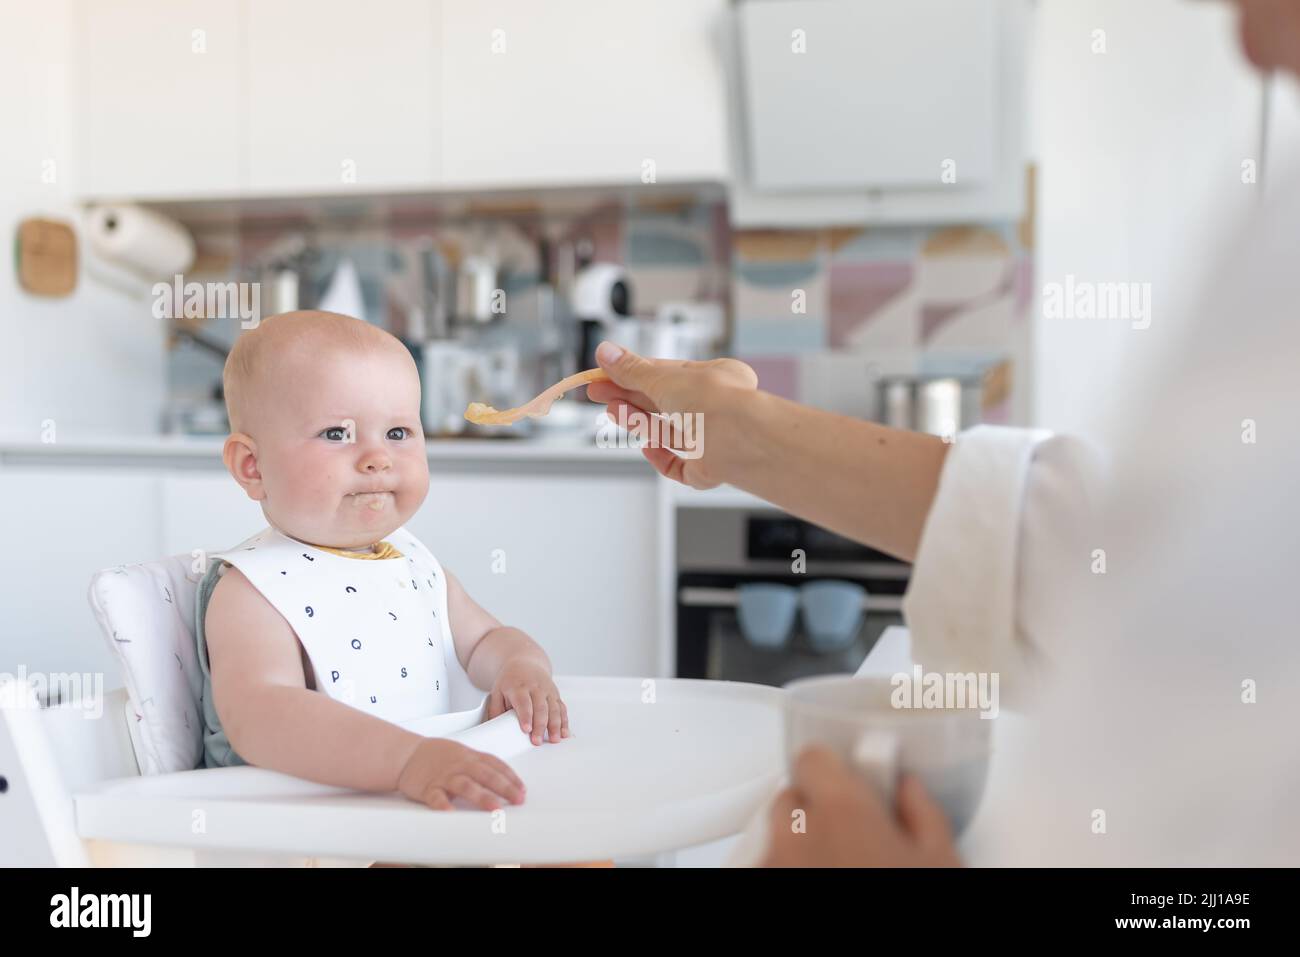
x: 565, y: 450
x: 198, y: 451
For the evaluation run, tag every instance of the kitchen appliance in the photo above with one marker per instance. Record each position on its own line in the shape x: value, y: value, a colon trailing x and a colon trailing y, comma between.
x: 437, y: 287
x: 454, y: 373
x: 601, y: 301
x: 476, y: 290
x: 685, y: 330
x: 940, y: 405
x: 722, y: 551
x: 284, y: 289
x: 283, y: 272
x: 446, y: 383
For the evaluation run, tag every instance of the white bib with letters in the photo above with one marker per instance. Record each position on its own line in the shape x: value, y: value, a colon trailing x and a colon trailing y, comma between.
x: 375, y: 630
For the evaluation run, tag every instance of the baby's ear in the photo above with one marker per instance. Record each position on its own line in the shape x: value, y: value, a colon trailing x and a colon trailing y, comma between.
x: 240, y: 455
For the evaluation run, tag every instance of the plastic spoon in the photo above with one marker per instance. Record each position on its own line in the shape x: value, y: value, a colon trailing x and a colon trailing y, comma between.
x: 482, y: 414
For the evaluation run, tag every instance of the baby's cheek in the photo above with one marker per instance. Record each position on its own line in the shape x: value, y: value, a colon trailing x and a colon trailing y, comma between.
x: 415, y: 484
x: 324, y: 488
x: 310, y: 486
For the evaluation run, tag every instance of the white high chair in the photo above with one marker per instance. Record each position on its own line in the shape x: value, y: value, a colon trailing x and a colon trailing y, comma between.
x: 653, y: 765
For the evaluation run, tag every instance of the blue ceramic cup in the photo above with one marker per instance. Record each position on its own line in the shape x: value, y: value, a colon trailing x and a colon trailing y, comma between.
x: 766, y: 612
x: 832, y: 613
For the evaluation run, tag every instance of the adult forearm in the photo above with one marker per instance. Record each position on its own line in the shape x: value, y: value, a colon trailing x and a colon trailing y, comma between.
x: 312, y: 736
x: 862, y: 480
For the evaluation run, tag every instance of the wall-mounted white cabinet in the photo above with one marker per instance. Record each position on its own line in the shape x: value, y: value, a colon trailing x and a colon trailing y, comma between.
x: 210, y: 98
x: 158, y: 97
x: 846, y: 94
x: 341, y: 97
x: 582, y: 91
x: 814, y: 111
x: 871, y: 111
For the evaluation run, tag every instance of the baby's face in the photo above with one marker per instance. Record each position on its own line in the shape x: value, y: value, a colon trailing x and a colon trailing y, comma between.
x: 340, y: 448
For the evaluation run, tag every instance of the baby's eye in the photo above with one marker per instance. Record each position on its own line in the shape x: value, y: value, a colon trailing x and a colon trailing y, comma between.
x: 336, y: 433
x: 402, y: 432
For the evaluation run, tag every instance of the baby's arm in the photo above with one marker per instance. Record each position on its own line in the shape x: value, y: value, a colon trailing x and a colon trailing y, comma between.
x: 482, y: 643
x: 508, y: 662
x: 269, y: 715
x: 274, y: 721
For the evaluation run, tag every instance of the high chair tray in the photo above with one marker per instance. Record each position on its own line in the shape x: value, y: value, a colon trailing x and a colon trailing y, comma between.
x: 651, y: 766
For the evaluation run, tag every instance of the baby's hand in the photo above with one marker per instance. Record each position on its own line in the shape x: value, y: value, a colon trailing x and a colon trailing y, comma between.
x: 526, y: 686
x: 439, y: 770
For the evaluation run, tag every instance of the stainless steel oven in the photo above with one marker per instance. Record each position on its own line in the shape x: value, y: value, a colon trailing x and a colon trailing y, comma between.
x: 720, y: 552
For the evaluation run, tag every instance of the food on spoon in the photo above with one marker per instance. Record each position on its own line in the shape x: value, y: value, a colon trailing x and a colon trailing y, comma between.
x: 480, y: 413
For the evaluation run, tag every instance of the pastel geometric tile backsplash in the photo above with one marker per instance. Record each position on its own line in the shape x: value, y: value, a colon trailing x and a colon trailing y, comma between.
x: 817, y: 312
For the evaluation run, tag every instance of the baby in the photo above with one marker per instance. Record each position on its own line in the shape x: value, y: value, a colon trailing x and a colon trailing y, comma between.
x: 325, y: 634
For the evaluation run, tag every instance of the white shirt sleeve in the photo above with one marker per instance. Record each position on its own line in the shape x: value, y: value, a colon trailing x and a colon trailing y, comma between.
x: 1010, y: 516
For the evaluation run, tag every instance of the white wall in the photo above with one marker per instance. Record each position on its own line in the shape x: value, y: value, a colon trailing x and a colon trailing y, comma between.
x: 60, y: 359
x: 1140, y: 152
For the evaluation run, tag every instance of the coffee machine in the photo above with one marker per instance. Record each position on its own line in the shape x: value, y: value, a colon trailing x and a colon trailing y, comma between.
x: 602, y: 306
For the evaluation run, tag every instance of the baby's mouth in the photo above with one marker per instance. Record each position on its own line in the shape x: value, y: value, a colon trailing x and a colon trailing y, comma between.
x: 376, y: 501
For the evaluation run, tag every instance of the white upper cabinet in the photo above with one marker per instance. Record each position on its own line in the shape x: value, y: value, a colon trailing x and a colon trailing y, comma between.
x: 194, y: 98
x: 875, y: 111
x: 582, y: 91
x: 158, y: 97
x: 342, y: 96
x: 852, y: 93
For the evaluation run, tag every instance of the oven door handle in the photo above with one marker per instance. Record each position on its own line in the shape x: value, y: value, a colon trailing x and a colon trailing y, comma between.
x: 699, y: 596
